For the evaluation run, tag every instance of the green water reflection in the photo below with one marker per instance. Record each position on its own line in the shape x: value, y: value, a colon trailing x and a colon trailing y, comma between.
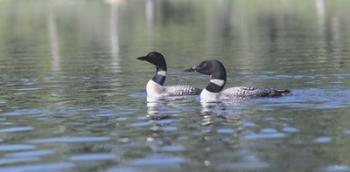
x: 72, y: 92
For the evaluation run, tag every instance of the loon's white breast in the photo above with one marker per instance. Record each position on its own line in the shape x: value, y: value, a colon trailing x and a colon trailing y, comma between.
x: 153, y: 89
x: 208, y: 96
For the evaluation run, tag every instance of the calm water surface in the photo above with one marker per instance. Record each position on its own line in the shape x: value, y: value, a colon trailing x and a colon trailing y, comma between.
x: 72, y: 94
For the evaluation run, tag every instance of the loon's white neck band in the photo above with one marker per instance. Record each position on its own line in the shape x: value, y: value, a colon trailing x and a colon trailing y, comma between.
x: 218, y: 82
x: 161, y: 72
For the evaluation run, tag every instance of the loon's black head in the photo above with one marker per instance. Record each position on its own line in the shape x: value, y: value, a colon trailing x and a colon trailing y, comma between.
x: 214, y: 68
x: 156, y: 59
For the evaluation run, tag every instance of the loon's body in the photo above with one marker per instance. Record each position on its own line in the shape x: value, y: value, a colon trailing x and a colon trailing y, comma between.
x: 155, y: 87
x: 214, y: 91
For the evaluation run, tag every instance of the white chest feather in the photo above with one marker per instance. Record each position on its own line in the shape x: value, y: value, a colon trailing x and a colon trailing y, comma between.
x: 207, y: 96
x: 154, y: 90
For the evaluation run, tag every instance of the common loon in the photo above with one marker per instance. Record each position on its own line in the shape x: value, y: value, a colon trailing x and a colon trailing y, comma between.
x: 155, y: 87
x: 213, y: 92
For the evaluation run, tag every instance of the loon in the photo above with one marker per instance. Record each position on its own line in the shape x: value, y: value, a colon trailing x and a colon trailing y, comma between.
x: 214, y: 90
x: 155, y: 87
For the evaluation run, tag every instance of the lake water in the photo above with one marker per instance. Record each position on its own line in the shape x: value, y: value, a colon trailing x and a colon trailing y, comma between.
x: 72, y: 94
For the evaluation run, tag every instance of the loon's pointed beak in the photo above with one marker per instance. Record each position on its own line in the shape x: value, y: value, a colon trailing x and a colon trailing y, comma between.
x: 143, y: 58
x: 192, y: 69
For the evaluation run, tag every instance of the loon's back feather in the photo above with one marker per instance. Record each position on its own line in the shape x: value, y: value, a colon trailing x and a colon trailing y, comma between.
x: 253, y: 92
x: 181, y: 90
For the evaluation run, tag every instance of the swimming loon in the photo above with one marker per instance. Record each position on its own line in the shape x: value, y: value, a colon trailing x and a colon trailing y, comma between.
x: 155, y: 87
x: 213, y: 92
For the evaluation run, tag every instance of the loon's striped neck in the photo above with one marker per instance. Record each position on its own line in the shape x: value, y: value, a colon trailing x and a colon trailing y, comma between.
x: 211, y: 92
x: 160, y: 76
x: 215, y: 85
x: 217, y: 79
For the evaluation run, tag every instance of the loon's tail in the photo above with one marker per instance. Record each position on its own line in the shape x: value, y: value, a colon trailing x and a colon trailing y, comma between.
x: 284, y: 92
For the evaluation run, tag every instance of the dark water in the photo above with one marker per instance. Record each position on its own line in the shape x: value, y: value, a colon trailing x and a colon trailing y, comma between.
x: 72, y: 94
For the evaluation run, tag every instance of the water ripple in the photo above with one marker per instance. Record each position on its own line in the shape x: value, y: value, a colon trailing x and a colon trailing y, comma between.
x: 15, y: 147
x: 173, y: 148
x: 337, y: 168
x: 93, y: 157
x: 168, y: 128
x: 314, y: 98
x: 258, y: 136
x: 39, y: 167
x: 31, y: 153
x: 248, y: 124
x: 141, y: 124
x: 23, y: 112
x: 123, y: 169
x: 225, y: 130
x: 159, y: 160
x: 323, y: 140
x: 346, y: 132
x: 17, y: 160
x: 71, y: 140
x: 15, y: 129
x: 290, y: 130
x: 244, y: 165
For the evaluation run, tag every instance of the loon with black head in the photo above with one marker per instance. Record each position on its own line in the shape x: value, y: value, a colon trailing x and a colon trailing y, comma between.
x: 214, y: 92
x: 155, y: 87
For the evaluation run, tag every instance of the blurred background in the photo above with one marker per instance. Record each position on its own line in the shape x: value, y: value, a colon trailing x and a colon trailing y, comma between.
x: 251, y: 34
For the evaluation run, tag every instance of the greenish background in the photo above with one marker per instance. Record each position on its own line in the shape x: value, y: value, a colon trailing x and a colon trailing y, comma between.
x: 72, y: 94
